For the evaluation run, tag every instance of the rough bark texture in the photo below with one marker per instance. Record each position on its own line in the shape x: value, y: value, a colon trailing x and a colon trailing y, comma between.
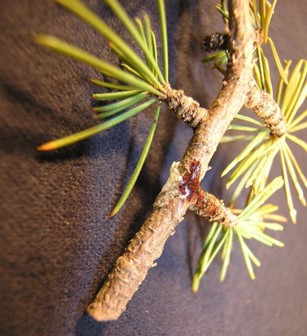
x: 170, y: 205
x: 185, y: 108
x: 268, y: 110
x: 208, y: 206
x: 131, y: 268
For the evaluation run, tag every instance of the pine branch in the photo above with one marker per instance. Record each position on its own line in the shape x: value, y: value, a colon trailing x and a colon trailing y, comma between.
x: 175, y: 198
x: 141, y: 83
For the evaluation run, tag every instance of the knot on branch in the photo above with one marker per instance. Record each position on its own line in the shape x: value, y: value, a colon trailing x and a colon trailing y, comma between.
x: 213, y: 209
x: 268, y: 110
x: 185, y: 108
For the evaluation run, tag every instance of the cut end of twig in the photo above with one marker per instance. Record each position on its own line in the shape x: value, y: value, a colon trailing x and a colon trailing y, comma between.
x: 100, y: 314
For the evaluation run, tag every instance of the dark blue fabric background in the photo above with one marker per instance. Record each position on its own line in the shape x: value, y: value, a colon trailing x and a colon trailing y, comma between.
x: 56, y: 240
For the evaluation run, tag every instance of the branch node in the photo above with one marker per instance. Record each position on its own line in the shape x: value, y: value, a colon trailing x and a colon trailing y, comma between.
x: 185, y: 108
x: 213, y: 209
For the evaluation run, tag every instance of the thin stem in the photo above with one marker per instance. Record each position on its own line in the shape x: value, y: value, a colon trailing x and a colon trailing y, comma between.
x: 208, y: 206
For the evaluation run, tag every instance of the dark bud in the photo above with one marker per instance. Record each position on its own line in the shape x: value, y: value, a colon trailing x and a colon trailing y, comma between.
x: 216, y: 42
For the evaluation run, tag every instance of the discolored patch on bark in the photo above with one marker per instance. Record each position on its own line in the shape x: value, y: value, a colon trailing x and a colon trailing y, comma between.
x: 190, y: 181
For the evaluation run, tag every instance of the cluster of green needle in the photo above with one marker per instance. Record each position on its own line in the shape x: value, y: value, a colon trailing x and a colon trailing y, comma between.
x: 252, y: 167
x: 138, y: 82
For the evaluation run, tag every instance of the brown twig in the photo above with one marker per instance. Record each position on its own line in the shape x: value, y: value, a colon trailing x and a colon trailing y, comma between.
x: 179, y: 192
x: 268, y: 110
x: 185, y: 108
x: 213, y: 209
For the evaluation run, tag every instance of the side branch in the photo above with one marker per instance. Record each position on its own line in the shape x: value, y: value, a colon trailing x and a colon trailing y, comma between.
x: 185, y: 108
x: 268, y: 110
x: 213, y: 209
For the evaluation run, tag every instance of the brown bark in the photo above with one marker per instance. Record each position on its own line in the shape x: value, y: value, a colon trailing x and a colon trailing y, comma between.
x: 213, y: 209
x: 180, y: 190
x: 185, y: 108
x: 268, y: 110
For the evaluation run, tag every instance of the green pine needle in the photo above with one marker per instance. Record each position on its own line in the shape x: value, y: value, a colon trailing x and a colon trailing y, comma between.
x: 267, y: 19
x: 81, y: 10
x: 135, y: 81
x: 111, y: 109
x: 87, y: 58
x: 226, y: 254
x: 281, y: 83
x: 295, y: 165
x: 139, y: 165
x: 162, y: 15
x: 219, y: 57
x: 114, y: 95
x: 246, y: 255
x: 277, y: 61
x: 119, y: 11
x: 149, y: 38
x: 292, y: 210
x: 223, y: 11
x: 71, y: 139
x: 242, y: 128
x: 112, y: 85
x: 232, y: 138
x: 252, y: 221
x: 248, y: 119
x: 254, y: 163
x: 247, y: 150
x: 261, y: 198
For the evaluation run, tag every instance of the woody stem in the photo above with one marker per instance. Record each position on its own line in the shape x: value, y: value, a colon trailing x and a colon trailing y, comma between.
x: 268, y: 110
x: 213, y: 209
x: 179, y: 192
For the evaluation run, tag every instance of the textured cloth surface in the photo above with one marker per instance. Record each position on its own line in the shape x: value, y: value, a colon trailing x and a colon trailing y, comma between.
x: 57, y: 242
